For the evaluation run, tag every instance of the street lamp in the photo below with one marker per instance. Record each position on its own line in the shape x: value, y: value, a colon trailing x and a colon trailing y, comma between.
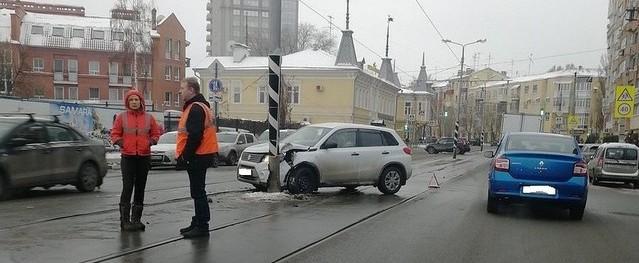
x: 461, y: 73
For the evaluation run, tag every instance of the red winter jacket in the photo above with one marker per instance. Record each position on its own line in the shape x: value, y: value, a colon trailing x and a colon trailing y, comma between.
x: 135, y: 130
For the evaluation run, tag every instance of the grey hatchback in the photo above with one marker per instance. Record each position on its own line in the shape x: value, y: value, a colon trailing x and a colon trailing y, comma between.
x: 40, y: 152
x: 615, y: 162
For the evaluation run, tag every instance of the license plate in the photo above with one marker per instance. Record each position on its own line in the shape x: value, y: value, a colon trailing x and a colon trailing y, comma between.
x: 156, y: 158
x: 244, y: 171
x: 539, y: 189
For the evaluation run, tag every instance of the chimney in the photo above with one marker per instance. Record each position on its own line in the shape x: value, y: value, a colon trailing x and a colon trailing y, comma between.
x: 240, y: 51
x: 154, y: 21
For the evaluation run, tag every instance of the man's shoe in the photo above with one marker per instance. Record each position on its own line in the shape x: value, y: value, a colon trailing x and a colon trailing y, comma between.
x: 186, y: 229
x: 196, y: 231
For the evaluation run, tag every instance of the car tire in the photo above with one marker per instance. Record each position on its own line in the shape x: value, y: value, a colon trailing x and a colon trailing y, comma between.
x: 259, y: 188
x: 351, y: 188
x: 390, y: 181
x: 577, y: 213
x: 88, y: 178
x: 595, y: 181
x: 461, y: 152
x: 302, y: 180
x: 491, y: 205
x: 231, y: 159
x: 431, y: 150
x: 5, y: 191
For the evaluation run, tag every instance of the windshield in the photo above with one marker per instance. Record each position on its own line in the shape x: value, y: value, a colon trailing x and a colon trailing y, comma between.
x: 307, y: 136
x: 621, y: 154
x: 226, y: 137
x: 168, y: 138
x: 541, y: 143
x: 283, y: 134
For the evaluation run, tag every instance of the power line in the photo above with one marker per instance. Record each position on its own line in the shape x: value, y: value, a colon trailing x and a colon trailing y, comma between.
x: 551, y: 56
x: 437, y: 30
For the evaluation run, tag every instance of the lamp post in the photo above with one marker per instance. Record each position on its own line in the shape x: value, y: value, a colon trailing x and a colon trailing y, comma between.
x: 461, y: 73
x: 541, y: 112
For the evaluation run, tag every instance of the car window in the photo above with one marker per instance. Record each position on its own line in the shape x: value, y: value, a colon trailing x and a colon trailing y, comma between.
x: 594, y: 149
x: 33, y: 134
x: 168, y: 138
x: 445, y: 141
x: 226, y: 137
x: 389, y: 139
x: 249, y: 138
x: 343, y: 138
x: 541, y: 143
x: 60, y: 134
x: 621, y: 154
x: 241, y: 139
x: 370, y: 138
x: 307, y: 136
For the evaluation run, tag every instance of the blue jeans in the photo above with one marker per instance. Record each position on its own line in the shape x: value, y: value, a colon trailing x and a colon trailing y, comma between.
x: 197, y: 182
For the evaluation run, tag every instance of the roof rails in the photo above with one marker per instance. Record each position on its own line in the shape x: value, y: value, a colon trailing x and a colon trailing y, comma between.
x: 30, y: 114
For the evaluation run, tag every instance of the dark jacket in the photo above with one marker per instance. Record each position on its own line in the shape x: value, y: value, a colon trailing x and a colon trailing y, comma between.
x: 195, y: 127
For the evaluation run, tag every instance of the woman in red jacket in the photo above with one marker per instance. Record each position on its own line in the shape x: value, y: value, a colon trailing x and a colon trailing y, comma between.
x: 134, y: 131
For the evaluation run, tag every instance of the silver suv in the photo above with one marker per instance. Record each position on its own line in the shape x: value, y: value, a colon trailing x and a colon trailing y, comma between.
x: 615, y: 162
x: 334, y: 154
x: 231, y: 144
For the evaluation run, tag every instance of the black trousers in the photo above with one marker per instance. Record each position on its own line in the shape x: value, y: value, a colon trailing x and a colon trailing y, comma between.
x: 197, y: 182
x: 134, y: 172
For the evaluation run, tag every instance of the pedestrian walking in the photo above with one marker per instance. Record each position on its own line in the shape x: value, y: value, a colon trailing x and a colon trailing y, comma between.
x: 134, y: 130
x: 196, y: 148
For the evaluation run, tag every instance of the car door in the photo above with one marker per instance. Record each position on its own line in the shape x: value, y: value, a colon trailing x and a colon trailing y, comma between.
x: 338, y: 165
x: 66, y: 152
x: 28, y: 156
x: 373, y: 154
x: 445, y: 145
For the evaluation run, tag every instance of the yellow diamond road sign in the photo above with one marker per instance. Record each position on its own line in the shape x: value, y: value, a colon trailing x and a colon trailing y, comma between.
x: 624, y: 101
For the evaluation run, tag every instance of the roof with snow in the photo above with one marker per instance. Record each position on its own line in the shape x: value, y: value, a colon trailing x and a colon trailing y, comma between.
x: 5, y: 24
x: 307, y: 59
x: 79, y: 21
x: 416, y: 92
x: 550, y: 75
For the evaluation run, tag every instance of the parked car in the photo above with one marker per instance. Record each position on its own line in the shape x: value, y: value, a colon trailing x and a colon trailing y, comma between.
x: 334, y: 154
x: 41, y: 152
x: 475, y: 142
x: 617, y: 162
x: 538, y: 167
x: 163, y: 154
x: 588, y: 150
x: 231, y: 144
x: 283, y: 134
x: 445, y: 144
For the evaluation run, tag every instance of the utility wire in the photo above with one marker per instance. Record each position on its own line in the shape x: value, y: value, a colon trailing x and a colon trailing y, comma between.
x: 437, y: 30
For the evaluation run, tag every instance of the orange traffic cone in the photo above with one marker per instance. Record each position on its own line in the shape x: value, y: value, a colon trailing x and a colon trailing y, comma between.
x: 434, y: 183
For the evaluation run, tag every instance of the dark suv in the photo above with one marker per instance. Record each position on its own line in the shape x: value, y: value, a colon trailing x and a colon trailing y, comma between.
x: 445, y: 144
x: 41, y: 152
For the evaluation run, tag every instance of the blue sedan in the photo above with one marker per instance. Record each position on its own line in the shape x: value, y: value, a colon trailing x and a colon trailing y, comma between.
x: 538, y: 167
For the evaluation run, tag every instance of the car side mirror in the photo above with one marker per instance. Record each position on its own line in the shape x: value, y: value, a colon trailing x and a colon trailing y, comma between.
x: 17, y: 142
x: 330, y: 145
x: 489, y: 154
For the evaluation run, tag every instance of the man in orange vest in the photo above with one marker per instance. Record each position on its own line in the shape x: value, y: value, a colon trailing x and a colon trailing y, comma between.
x: 196, y: 148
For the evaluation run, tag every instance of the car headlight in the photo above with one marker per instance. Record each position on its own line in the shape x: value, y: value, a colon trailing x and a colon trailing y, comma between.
x: 265, y: 159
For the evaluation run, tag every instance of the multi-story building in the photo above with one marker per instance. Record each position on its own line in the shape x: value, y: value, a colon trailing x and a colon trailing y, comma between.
x: 623, y: 50
x: 248, y: 22
x: 415, y: 109
x: 59, y: 53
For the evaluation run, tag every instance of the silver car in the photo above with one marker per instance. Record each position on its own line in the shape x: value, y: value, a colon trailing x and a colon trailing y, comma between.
x: 231, y: 144
x: 163, y: 154
x: 334, y: 154
x: 615, y: 162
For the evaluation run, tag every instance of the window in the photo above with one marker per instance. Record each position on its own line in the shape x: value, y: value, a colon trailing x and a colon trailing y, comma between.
x: 526, y: 90
x: 408, y: 108
x: 126, y: 70
x: 251, y: 13
x: 168, y: 49
x: 38, y: 65
x: 249, y: 138
x: 58, y: 32
x: 72, y: 64
x: 58, y: 65
x: 294, y: 94
x: 117, y: 36
x: 73, y: 93
x: 264, y: 14
x: 97, y: 34
x: 94, y: 67
x: 37, y: 30
x: 78, y: 32
x: 261, y: 95
x: 178, y: 51
x: 34, y: 134
x: 177, y: 99
x: 236, y: 12
x: 237, y: 91
x: 251, y: 3
x: 38, y: 92
x: 59, y: 134
x: 370, y: 138
x: 420, y: 108
x: 167, y: 98
x: 237, y: 2
x: 534, y: 91
x: 115, y: 94
x: 241, y: 139
x: 177, y: 74
x: 344, y: 138
x: 94, y: 93
x: 58, y: 93
x: 167, y: 72
x: 147, y: 71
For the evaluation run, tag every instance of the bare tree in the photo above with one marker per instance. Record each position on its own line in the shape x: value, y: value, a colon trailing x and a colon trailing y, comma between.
x: 13, y: 65
x: 308, y: 37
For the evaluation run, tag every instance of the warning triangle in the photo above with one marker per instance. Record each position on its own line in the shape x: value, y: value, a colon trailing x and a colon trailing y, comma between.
x: 625, y: 96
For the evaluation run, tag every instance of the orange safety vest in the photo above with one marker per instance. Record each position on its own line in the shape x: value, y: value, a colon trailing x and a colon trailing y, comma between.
x: 209, y: 138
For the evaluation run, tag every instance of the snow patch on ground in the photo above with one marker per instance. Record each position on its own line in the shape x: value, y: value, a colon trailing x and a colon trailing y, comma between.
x: 263, y: 196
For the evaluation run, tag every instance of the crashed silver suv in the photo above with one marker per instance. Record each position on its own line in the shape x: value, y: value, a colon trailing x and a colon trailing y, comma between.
x: 333, y: 154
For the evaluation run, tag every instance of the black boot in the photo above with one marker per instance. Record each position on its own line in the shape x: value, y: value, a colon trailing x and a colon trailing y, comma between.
x: 125, y: 223
x: 199, y: 230
x: 136, y: 215
x: 187, y: 229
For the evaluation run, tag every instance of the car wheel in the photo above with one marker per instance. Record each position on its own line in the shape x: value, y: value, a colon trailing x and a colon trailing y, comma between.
x: 259, y: 187
x: 87, y: 178
x: 461, y: 152
x: 595, y: 181
x: 231, y: 159
x: 302, y: 181
x: 636, y: 185
x: 4, y: 189
x: 351, y: 188
x: 491, y: 205
x: 577, y: 213
x: 431, y: 150
x: 390, y: 181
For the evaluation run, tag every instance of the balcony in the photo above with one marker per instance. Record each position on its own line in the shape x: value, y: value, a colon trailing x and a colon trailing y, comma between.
x: 126, y: 80
x: 58, y: 76
x: 73, y: 77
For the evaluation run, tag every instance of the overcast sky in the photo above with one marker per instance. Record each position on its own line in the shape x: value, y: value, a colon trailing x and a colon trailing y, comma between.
x: 551, y: 30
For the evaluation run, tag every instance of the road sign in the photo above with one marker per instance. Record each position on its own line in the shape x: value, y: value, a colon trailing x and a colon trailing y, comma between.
x: 411, y: 117
x: 215, y: 85
x: 624, y: 101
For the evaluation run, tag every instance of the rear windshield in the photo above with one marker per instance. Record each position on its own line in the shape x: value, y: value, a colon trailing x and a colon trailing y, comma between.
x: 541, y: 143
x: 621, y: 154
